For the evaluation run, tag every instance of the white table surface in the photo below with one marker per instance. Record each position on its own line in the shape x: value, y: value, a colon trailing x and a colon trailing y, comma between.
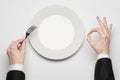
x: 15, y: 16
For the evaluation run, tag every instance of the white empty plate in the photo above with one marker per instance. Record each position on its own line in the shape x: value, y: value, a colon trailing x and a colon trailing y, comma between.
x: 59, y: 32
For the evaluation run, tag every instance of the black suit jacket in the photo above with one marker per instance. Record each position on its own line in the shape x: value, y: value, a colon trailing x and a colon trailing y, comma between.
x: 103, y: 71
x: 15, y: 75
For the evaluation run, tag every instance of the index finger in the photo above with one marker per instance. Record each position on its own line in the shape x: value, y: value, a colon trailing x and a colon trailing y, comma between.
x: 19, y: 41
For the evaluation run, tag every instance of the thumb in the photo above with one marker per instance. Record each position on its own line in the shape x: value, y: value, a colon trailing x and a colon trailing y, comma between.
x: 23, y: 47
x: 110, y: 28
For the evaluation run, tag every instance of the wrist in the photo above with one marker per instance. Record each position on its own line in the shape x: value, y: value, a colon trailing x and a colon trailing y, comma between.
x: 16, y: 62
x: 103, y: 52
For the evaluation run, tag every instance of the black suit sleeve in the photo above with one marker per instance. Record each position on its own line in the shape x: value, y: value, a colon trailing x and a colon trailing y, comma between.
x: 103, y: 70
x: 15, y: 75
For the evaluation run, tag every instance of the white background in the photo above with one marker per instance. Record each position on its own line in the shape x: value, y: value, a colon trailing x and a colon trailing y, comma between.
x: 15, y: 15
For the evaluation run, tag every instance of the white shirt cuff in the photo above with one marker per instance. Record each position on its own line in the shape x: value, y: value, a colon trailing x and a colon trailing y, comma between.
x: 103, y: 55
x: 18, y: 67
